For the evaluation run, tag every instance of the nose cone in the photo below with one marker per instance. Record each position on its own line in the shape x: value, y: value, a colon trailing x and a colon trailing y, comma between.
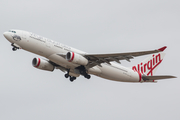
x: 8, y: 36
x: 5, y: 35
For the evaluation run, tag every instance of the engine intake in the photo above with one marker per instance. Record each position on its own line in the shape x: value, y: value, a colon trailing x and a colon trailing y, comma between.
x: 42, y: 64
x: 76, y: 58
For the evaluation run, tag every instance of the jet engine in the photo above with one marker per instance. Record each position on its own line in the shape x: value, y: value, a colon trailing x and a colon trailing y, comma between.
x: 42, y: 64
x: 76, y: 58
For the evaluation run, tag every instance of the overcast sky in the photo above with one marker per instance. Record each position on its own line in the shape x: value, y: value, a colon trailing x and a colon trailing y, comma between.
x: 93, y: 26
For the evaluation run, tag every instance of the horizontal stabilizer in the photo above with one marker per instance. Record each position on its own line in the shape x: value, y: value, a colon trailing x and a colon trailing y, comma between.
x: 157, y: 77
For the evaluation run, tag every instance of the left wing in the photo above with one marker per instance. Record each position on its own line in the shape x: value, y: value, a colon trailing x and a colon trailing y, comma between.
x: 97, y: 59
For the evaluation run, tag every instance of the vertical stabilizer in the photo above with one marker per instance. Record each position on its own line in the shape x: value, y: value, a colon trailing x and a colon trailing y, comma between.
x: 149, y: 65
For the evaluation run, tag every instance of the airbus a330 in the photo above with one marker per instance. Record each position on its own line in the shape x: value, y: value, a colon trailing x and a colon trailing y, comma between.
x: 75, y: 62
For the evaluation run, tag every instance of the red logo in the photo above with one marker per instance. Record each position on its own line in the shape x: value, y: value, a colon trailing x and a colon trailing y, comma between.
x: 149, y: 66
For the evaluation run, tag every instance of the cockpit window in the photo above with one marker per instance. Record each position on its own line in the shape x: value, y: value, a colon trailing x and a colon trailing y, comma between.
x: 12, y: 31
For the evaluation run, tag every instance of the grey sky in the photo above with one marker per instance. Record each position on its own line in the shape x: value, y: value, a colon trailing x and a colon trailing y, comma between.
x: 94, y: 26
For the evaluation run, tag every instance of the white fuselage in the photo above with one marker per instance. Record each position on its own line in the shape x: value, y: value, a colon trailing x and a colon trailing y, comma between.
x: 49, y: 49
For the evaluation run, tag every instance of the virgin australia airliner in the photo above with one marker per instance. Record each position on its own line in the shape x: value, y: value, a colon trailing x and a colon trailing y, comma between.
x: 75, y: 62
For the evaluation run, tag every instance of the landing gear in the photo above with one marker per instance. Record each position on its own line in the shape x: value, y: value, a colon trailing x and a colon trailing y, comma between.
x: 83, y: 71
x: 71, y: 78
x: 14, y: 47
x: 66, y: 75
x: 87, y: 76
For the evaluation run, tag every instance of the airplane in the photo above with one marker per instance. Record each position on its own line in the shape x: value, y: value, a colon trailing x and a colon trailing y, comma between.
x: 75, y: 62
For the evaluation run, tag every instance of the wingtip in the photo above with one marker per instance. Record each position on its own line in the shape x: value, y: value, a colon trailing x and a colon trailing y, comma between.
x: 163, y: 48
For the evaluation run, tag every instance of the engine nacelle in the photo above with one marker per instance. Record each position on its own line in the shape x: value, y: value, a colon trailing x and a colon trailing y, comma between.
x: 76, y: 58
x: 42, y: 64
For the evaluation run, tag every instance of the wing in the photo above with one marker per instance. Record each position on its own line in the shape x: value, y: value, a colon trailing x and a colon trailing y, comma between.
x: 97, y: 59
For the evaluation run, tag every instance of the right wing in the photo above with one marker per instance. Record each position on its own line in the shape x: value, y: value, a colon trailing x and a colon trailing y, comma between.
x: 97, y: 59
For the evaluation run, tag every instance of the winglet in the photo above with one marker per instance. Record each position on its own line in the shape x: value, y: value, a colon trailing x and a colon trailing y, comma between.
x: 163, y: 48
